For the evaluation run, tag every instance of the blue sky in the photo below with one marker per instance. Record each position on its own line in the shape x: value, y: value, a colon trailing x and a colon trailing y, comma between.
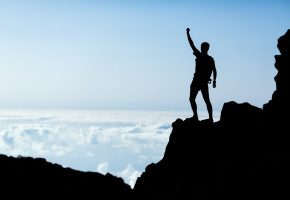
x: 134, y: 55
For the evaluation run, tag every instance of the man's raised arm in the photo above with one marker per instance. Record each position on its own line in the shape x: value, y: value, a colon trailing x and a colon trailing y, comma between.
x: 190, y: 41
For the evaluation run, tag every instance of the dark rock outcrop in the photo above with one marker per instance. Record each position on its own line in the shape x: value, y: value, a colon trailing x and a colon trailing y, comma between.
x: 277, y: 109
x: 245, y: 155
x: 35, y: 178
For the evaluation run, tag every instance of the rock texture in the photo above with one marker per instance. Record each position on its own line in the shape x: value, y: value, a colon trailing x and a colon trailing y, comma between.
x: 35, y: 178
x: 245, y: 155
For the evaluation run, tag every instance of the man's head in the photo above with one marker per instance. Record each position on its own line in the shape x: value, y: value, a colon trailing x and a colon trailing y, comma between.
x: 204, y: 47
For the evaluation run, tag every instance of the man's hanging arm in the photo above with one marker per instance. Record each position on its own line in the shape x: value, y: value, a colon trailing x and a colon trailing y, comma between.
x: 214, y: 74
x: 191, y: 42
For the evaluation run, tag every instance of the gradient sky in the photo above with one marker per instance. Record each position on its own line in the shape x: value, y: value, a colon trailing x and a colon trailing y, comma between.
x: 82, y: 54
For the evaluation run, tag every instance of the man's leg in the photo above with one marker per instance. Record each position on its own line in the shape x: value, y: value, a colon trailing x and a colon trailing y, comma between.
x: 205, y: 95
x: 192, y: 97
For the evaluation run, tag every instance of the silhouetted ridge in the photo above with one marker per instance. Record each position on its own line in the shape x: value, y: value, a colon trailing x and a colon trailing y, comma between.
x: 35, y: 178
x: 245, y: 155
x: 234, y: 113
x: 277, y: 109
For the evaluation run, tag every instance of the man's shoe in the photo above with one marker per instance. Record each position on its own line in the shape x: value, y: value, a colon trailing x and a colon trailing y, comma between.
x: 210, y: 120
x: 195, y: 119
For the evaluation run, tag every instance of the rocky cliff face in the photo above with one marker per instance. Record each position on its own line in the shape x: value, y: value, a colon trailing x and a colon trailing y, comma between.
x: 277, y: 109
x: 35, y: 178
x: 244, y: 155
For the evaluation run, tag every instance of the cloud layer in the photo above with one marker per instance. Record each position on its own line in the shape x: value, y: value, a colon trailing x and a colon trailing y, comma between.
x: 119, y: 142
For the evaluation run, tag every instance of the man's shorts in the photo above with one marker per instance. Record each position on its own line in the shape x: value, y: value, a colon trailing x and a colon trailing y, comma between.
x: 197, y: 84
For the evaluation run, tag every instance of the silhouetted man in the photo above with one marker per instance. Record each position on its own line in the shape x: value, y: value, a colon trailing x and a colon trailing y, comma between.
x: 203, y: 68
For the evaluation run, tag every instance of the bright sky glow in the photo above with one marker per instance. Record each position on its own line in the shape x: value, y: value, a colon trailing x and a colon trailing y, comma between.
x: 134, y: 54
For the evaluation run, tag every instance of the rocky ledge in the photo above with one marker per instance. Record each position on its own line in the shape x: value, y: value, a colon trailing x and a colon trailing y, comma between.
x: 35, y: 178
x: 244, y: 155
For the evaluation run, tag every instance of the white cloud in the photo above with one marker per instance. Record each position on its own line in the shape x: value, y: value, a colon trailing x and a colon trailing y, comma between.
x: 82, y: 139
x: 60, y: 150
x: 103, y: 168
x: 130, y: 175
x: 89, y: 154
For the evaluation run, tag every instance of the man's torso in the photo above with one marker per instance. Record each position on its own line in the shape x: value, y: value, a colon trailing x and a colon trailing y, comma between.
x: 203, y: 68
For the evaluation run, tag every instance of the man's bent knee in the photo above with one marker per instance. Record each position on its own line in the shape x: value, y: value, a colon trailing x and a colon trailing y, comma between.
x: 192, y: 100
x: 208, y: 103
